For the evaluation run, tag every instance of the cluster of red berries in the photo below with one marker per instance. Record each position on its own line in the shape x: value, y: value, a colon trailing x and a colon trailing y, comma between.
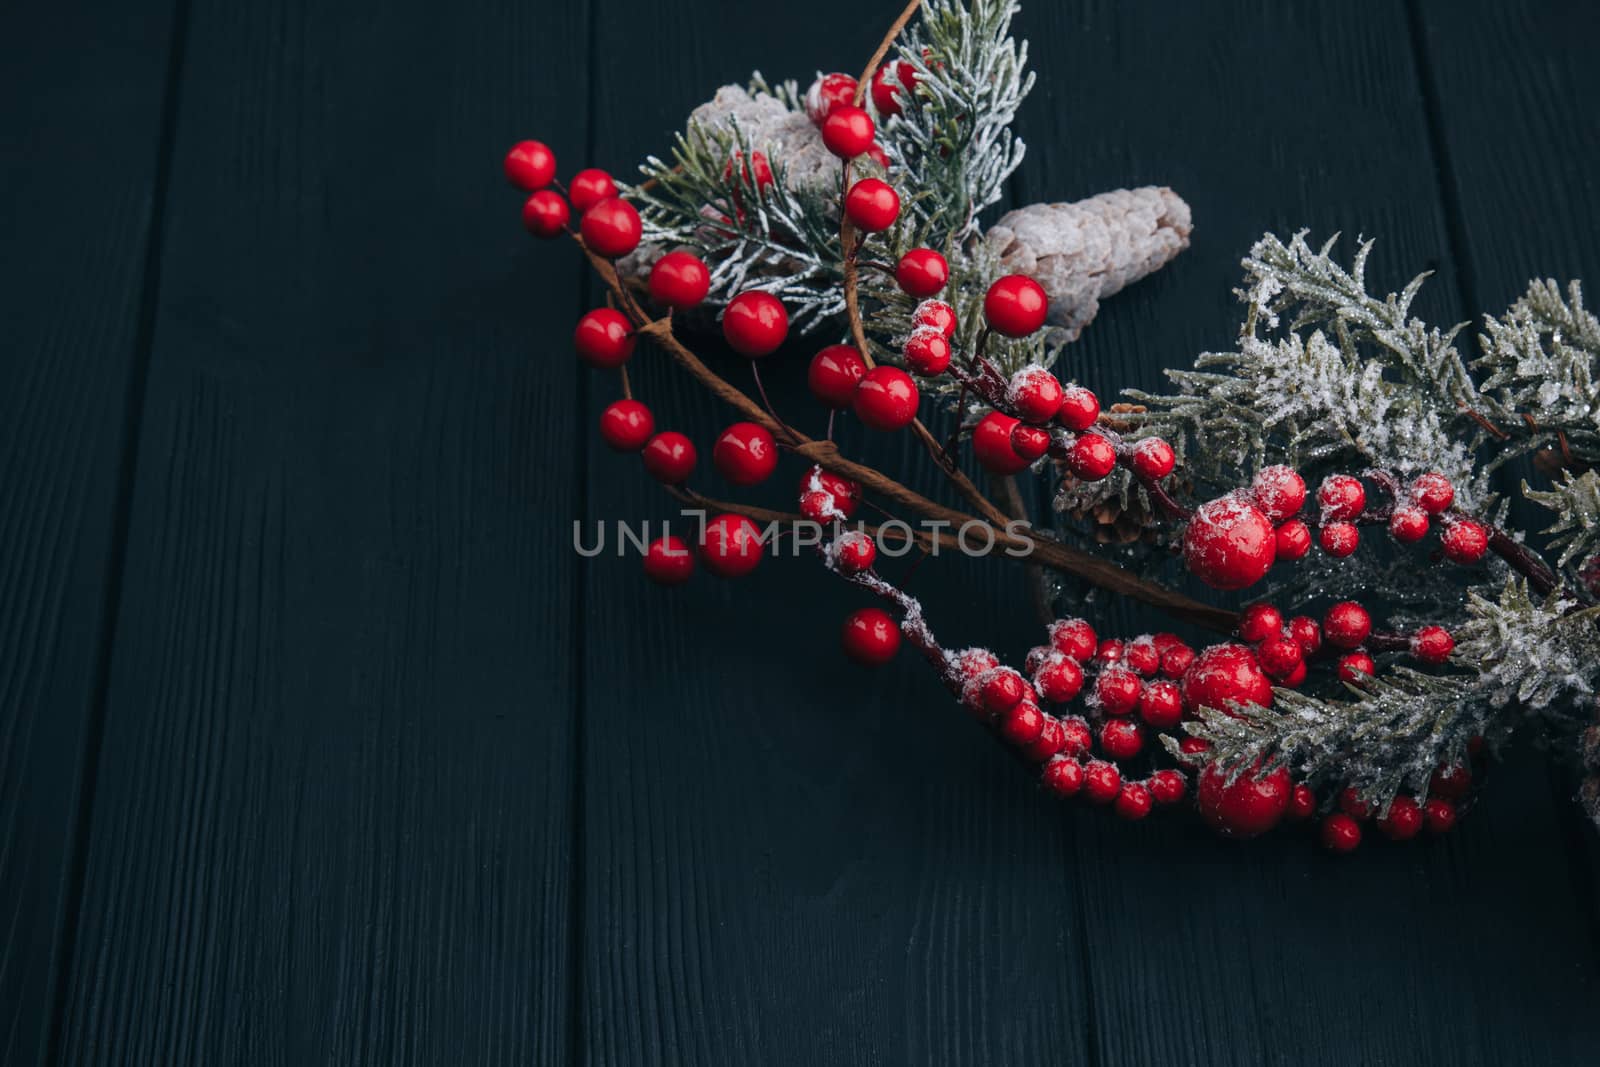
x: 1233, y: 541
x: 609, y: 224
x: 847, y: 130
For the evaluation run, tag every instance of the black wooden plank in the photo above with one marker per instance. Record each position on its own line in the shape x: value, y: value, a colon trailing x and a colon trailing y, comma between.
x: 1522, y: 146
x: 1281, y: 116
x: 790, y: 859
x: 82, y: 86
x: 332, y: 821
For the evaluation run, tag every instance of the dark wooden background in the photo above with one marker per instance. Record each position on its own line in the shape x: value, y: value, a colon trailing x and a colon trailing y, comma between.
x: 319, y: 745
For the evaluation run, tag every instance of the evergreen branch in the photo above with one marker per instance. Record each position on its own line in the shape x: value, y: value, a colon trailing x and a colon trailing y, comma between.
x: 1542, y: 359
x: 1576, y: 502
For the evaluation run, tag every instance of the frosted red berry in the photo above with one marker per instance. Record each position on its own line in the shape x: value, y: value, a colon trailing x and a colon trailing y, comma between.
x: 1222, y: 674
x: 670, y: 457
x: 1121, y: 739
x: 1133, y: 801
x: 887, y: 399
x: 1339, y: 539
x: 611, y: 228
x: 1110, y: 650
x: 828, y: 92
x: 1292, y: 540
x: 1091, y: 457
x: 1433, y: 493
x: 1079, y: 408
x: 1408, y: 525
x: 991, y: 444
x: 589, y: 187
x: 1341, y: 498
x: 730, y: 546
x: 927, y: 352
x: 1035, y: 394
x: 847, y: 131
x: 1259, y: 622
x: 668, y: 561
x: 872, y: 205
x: 834, y: 373
x: 1059, y: 680
x: 1075, y: 638
x: 1051, y: 739
x: 1351, y: 804
x: 1229, y: 544
x: 843, y: 494
x: 1307, y: 631
x: 745, y: 453
x: 870, y: 636
x: 891, y: 84
x: 1077, y: 738
x: 1117, y: 691
x: 922, y: 272
x: 1030, y: 442
x: 1249, y: 807
x: 1295, y: 678
x: 1002, y: 691
x: 545, y: 214
x: 530, y: 165
x: 1063, y: 776
x: 679, y: 280
x: 1141, y: 656
x: 627, y: 425
x: 1356, y: 668
x: 855, y: 552
x: 1452, y: 782
x: 604, y: 338
x: 1302, y: 802
x: 1176, y: 660
x: 1022, y: 724
x: 1153, y: 459
x: 1465, y: 541
x: 1346, y: 624
x: 935, y: 314
x: 1167, y: 786
x: 1161, y: 704
x: 1015, y: 305
x: 1438, y: 815
x: 1432, y: 644
x: 755, y: 323
x: 1101, y: 782
x: 1404, y: 820
x: 1340, y: 833
x: 1281, y: 656
x: 1278, y: 491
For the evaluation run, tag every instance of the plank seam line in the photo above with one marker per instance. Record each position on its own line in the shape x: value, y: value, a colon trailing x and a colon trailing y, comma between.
x: 133, y: 411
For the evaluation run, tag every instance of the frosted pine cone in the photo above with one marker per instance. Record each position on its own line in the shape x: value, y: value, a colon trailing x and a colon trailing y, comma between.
x: 1086, y: 251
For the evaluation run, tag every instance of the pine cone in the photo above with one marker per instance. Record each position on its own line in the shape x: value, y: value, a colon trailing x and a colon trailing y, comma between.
x: 1084, y: 252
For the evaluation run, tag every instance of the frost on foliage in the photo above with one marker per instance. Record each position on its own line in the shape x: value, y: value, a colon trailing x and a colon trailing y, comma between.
x: 1543, y: 362
x: 1514, y: 654
x: 1576, y: 502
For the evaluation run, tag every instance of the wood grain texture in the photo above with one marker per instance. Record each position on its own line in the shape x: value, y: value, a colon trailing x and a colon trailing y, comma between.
x: 791, y: 859
x: 333, y: 817
x: 1280, y: 117
x: 82, y: 86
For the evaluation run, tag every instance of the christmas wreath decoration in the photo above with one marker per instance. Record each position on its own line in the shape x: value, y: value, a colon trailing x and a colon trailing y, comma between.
x: 850, y: 212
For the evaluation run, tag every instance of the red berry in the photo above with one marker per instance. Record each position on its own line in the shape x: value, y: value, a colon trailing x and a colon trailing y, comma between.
x: 755, y: 323
x: 1408, y: 525
x: 668, y: 561
x: 1432, y: 644
x: 887, y: 399
x: 1153, y: 459
x: 1339, y: 539
x: 1079, y: 408
x: 844, y: 493
x: 991, y: 444
x: 1176, y: 660
x: 828, y: 92
x: 1101, y: 782
x: 1121, y: 739
x: 1035, y: 394
x: 545, y: 214
x: 1002, y: 690
x: 1015, y: 306
x: 1249, y: 807
x: 847, y: 131
x: 669, y: 457
x: 1433, y: 493
x: 1465, y: 541
x: 757, y: 171
x: 1030, y: 442
x: 1091, y: 457
x: 1346, y: 624
x: 1223, y: 674
x: 1059, y: 680
x: 1191, y: 746
x: 890, y: 84
x: 1141, y: 656
x: 1293, y: 540
x: 1063, y: 776
x: 1110, y: 650
x: 589, y: 187
x: 1438, y: 815
x: 872, y: 205
x: 745, y: 453
x: 834, y: 373
x: 626, y: 425
x: 611, y: 228
x: 1302, y: 803
x: 1075, y: 638
x: 1356, y: 668
x: 604, y: 338
x: 1133, y: 801
x: 1023, y: 724
x: 1229, y: 544
x: 1281, y: 656
x: 870, y: 636
x: 1341, y: 498
x: 1296, y: 677
x: 855, y: 552
x: 1278, y: 491
x: 1051, y: 740
x: 1259, y: 622
x: 927, y: 352
x: 679, y: 280
x: 1404, y: 820
x: 876, y: 153
x: 1117, y: 691
x: 1167, y: 786
x: 1307, y: 631
x: 922, y: 272
x: 1351, y: 804
x: 935, y: 314
x: 1452, y: 782
x: 1161, y: 705
x: 973, y: 662
x: 1340, y: 833
x: 530, y: 165
x: 730, y: 546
